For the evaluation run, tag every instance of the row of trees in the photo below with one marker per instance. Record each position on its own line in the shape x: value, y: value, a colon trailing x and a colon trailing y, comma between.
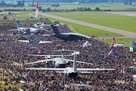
x: 5, y: 4
x: 67, y: 10
x: 126, y: 2
x: 74, y: 10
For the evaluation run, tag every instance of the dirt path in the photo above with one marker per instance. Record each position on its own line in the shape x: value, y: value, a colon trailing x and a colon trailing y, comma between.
x: 118, y: 31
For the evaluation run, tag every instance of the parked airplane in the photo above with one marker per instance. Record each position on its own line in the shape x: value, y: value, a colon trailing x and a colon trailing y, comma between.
x: 68, y: 36
x: 57, y: 62
x: 72, y: 71
x: 27, y: 31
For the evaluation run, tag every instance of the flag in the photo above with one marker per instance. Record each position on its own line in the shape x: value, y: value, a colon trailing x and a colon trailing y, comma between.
x: 113, y: 41
x: 36, y: 13
x: 39, y: 52
x: 36, y: 5
x: 135, y: 63
x: 58, y: 46
x: 112, y: 51
x: 87, y: 44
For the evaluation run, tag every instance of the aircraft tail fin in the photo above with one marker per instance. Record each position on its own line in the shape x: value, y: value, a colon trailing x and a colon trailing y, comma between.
x: 37, y: 10
x: 34, y: 39
x: 55, y: 29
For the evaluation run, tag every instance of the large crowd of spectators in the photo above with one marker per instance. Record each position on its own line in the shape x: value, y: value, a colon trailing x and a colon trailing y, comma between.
x: 12, y: 51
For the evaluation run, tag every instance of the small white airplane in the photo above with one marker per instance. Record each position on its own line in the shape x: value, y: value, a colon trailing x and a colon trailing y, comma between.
x: 72, y: 71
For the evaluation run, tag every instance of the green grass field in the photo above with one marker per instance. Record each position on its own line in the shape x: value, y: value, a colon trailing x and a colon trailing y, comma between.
x: 102, y: 18
x: 24, y: 17
x: 19, y: 15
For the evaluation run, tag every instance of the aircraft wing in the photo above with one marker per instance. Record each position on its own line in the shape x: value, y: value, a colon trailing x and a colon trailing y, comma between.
x: 48, y: 35
x: 45, y: 42
x: 48, y: 56
x: 40, y: 61
x: 68, y: 60
x: 87, y: 70
x: 83, y: 62
x: 49, y: 69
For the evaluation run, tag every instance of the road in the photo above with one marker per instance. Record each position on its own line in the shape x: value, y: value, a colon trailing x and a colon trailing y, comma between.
x: 125, y: 13
x: 92, y: 25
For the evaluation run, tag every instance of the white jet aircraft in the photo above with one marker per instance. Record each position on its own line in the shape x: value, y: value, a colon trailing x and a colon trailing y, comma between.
x: 57, y: 62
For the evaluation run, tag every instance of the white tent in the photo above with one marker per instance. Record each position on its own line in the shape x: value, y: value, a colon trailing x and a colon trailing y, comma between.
x: 21, y: 89
x: 23, y: 82
x: 134, y: 77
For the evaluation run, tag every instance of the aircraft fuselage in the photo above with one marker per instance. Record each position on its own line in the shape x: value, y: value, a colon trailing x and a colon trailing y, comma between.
x: 70, y: 37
